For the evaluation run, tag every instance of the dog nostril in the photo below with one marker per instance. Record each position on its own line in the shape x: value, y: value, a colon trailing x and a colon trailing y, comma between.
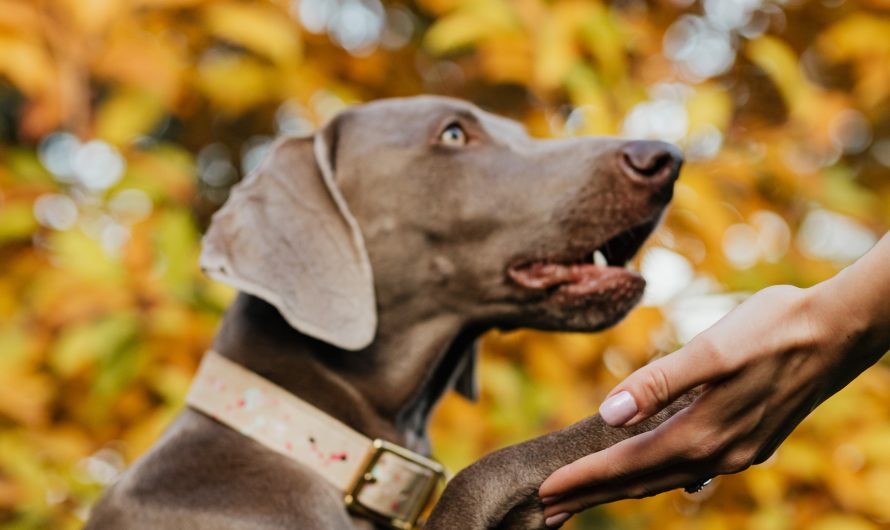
x: 649, y: 165
x: 651, y: 162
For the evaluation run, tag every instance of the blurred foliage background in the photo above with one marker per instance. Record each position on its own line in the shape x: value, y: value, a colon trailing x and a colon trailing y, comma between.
x: 124, y: 122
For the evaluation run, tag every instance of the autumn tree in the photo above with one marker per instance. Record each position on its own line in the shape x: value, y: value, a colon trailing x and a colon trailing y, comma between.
x: 124, y: 123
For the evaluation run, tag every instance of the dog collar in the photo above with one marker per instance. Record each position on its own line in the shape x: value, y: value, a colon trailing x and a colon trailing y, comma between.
x: 380, y: 480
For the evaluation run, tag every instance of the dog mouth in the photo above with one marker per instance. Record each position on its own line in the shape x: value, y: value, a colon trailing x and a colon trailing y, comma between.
x: 598, y: 275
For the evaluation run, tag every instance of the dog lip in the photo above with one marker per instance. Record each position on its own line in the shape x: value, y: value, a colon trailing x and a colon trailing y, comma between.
x: 615, y: 285
x: 548, y: 272
x: 574, y: 280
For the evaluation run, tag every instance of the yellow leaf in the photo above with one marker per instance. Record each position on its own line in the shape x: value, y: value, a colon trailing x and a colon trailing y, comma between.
x: 769, y: 518
x: 19, y: 16
x: 877, y: 486
x: 82, y: 345
x: 556, y: 50
x: 766, y: 484
x: 25, y: 397
x: 153, y: 63
x: 235, y: 83
x: 544, y: 362
x: 65, y: 441
x: 854, y: 36
x: 801, y: 459
x: 603, y: 37
x: 473, y: 22
x: 164, y: 172
x: 19, y: 460
x: 140, y: 437
x: 11, y: 493
x: 127, y: 114
x: 261, y: 29
x: 440, y: 7
x: 169, y: 4
x: 843, y: 522
x: 14, y: 347
x: 591, y: 99
x: 16, y: 222
x: 92, y: 16
x: 506, y: 60
x: 26, y: 64
x: 84, y: 256
x: 177, y: 247
x: 780, y: 62
x: 874, y: 443
x: 709, y: 104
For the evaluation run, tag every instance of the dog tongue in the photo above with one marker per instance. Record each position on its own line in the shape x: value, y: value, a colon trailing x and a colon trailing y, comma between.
x: 546, y: 275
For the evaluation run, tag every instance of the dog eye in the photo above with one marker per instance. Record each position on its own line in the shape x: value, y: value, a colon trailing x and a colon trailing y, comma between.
x: 453, y: 135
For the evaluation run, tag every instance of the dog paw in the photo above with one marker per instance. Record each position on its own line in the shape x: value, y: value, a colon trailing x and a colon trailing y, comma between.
x: 498, y: 492
x: 527, y: 515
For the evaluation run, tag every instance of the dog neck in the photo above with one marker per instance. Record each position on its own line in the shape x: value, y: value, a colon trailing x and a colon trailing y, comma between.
x: 386, y: 390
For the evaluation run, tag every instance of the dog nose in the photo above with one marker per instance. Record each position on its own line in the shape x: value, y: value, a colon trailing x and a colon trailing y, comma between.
x: 651, y: 163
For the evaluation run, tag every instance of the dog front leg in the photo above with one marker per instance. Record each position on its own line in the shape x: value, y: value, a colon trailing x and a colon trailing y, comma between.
x: 500, y: 491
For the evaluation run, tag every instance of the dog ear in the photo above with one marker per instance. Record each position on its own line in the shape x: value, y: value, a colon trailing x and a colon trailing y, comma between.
x: 466, y: 383
x: 286, y: 235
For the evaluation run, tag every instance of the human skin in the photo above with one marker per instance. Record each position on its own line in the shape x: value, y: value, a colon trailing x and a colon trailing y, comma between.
x: 763, y: 368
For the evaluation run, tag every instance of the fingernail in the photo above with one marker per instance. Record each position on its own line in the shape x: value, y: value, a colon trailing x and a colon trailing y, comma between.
x: 558, y: 519
x: 618, y: 409
x: 548, y: 500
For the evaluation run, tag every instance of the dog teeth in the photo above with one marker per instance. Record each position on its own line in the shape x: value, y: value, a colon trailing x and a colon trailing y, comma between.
x: 600, y: 259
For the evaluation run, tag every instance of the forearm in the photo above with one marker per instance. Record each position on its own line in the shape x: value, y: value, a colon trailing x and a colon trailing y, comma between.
x: 767, y: 364
x: 859, y: 299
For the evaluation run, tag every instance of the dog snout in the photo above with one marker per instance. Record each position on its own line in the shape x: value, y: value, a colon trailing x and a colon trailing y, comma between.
x: 651, y: 163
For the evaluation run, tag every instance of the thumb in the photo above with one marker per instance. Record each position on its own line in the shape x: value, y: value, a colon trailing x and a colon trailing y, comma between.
x: 661, y: 382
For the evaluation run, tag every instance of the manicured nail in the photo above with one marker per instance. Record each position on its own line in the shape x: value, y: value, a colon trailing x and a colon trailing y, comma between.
x: 618, y: 409
x: 558, y: 519
x: 548, y: 500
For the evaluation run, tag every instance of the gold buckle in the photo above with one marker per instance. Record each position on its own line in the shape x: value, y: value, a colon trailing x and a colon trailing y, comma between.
x: 408, y: 503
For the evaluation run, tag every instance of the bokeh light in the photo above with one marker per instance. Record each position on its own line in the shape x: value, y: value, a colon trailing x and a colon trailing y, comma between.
x: 123, y: 127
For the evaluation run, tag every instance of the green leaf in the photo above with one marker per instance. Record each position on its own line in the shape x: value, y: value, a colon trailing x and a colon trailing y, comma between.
x: 85, y: 344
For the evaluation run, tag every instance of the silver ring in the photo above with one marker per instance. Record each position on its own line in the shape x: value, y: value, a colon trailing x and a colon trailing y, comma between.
x: 695, y: 488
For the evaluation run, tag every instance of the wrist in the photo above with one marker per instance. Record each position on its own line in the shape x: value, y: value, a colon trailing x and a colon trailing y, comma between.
x: 850, y: 311
x: 864, y: 287
x: 838, y: 302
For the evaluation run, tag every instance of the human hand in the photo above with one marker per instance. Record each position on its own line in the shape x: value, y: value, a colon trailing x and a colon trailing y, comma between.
x: 500, y: 491
x: 762, y: 369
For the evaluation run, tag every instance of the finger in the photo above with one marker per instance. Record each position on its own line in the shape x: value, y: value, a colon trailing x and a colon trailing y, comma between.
x: 653, y: 484
x: 686, y: 453
x: 660, y: 383
x: 556, y: 520
x: 644, y: 452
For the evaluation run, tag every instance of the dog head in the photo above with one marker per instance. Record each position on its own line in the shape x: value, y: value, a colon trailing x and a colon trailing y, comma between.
x: 431, y: 205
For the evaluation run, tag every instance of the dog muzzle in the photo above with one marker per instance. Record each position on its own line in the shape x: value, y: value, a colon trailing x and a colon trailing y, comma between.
x: 380, y: 480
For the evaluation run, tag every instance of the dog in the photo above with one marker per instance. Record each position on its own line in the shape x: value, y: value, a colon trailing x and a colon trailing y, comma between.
x: 368, y: 258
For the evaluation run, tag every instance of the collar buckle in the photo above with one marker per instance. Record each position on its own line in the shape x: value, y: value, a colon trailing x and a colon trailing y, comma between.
x: 394, y: 485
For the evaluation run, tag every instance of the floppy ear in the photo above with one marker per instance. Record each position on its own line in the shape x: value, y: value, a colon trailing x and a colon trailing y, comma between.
x: 286, y: 235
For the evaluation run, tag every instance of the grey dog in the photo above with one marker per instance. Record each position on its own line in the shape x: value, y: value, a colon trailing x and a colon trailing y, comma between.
x: 369, y: 258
